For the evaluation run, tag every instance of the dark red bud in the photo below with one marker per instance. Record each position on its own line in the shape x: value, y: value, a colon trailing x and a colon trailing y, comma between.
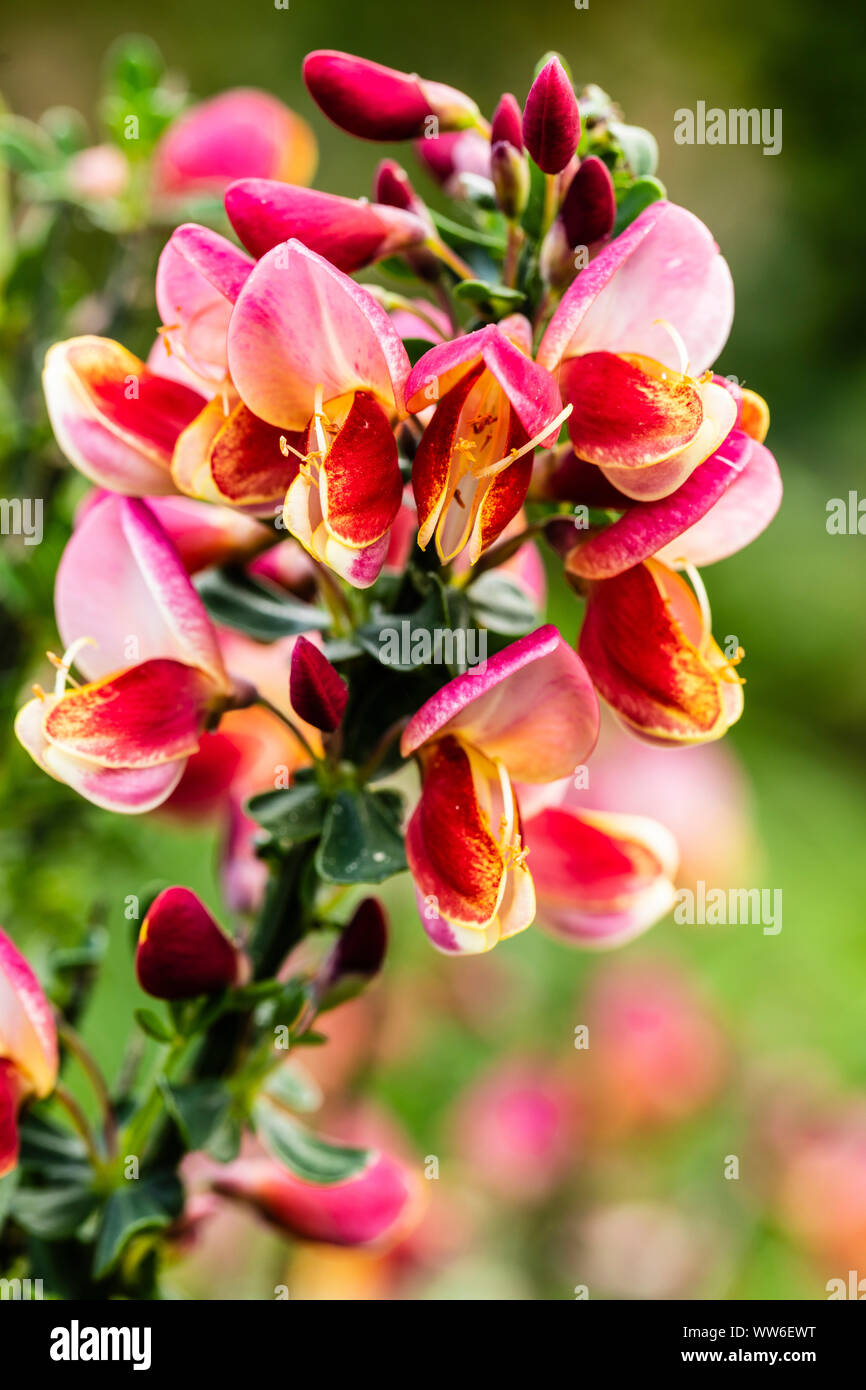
x: 507, y: 123
x: 392, y: 186
x: 362, y: 944
x: 182, y: 952
x: 317, y: 692
x: 589, y: 208
x: 551, y: 119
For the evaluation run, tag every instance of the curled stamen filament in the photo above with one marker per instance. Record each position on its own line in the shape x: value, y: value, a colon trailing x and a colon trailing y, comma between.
x: 63, y: 665
x: 515, y: 454
x: 704, y: 604
x: 680, y: 346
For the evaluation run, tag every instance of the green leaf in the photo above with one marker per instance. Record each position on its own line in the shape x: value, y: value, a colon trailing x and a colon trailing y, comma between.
x: 642, y: 192
x: 151, y: 1024
x: 293, y: 814
x: 308, y: 1156
x: 235, y: 600
x: 203, y: 1113
x: 25, y: 146
x: 58, y: 1155
x: 293, y: 1087
x: 500, y: 604
x: 53, y: 1213
x: 416, y: 348
x: 480, y: 292
x: 146, y: 1204
x: 8, y: 1186
x: 458, y: 235
x: 362, y: 841
x: 639, y: 147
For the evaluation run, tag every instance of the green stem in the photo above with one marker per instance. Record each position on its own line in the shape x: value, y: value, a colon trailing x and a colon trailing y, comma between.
x: 512, y: 254
x: 74, y: 1044
x: 285, y: 718
x: 79, y: 1120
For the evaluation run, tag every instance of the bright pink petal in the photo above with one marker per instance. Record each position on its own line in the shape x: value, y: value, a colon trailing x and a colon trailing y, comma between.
x: 743, y: 511
x: 532, y: 706
x: 28, y: 1036
x: 199, y: 277
x: 364, y: 1210
x: 647, y: 528
x: 122, y: 583
x: 530, y: 389
x: 664, y: 266
x: 300, y: 324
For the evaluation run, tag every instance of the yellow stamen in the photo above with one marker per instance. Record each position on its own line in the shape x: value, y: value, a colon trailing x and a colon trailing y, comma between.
x: 514, y: 454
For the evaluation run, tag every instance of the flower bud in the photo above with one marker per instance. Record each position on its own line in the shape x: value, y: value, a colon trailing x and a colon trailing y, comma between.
x: 182, y: 952
x: 507, y: 123
x: 586, y: 218
x: 393, y: 188
x: 551, y: 119
x: 375, y: 102
x: 318, y: 694
x: 510, y: 174
x: 357, y: 956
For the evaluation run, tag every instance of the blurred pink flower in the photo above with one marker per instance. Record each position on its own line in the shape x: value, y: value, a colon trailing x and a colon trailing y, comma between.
x: 518, y: 1129
x: 241, y: 133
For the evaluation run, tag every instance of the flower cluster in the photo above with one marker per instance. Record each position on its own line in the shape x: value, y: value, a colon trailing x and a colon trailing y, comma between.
x: 308, y: 464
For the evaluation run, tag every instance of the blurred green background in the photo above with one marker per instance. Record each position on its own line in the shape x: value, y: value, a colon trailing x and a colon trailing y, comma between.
x: 790, y: 228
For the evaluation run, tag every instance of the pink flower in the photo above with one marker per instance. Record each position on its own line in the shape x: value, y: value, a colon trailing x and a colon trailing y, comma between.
x: 136, y: 628
x: 473, y: 465
x: 519, y: 1130
x: 99, y: 174
x: 310, y: 351
x: 530, y: 715
x: 631, y: 342
x: 721, y: 507
x: 373, y: 1208
x: 600, y: 878
x: 238, y: 134
x: 646, y: 641
x: 656, y: 1053
x: 113, y: 417
x: 28, y: 1046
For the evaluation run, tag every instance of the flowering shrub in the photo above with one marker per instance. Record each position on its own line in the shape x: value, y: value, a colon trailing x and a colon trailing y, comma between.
x: 306, y: 591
